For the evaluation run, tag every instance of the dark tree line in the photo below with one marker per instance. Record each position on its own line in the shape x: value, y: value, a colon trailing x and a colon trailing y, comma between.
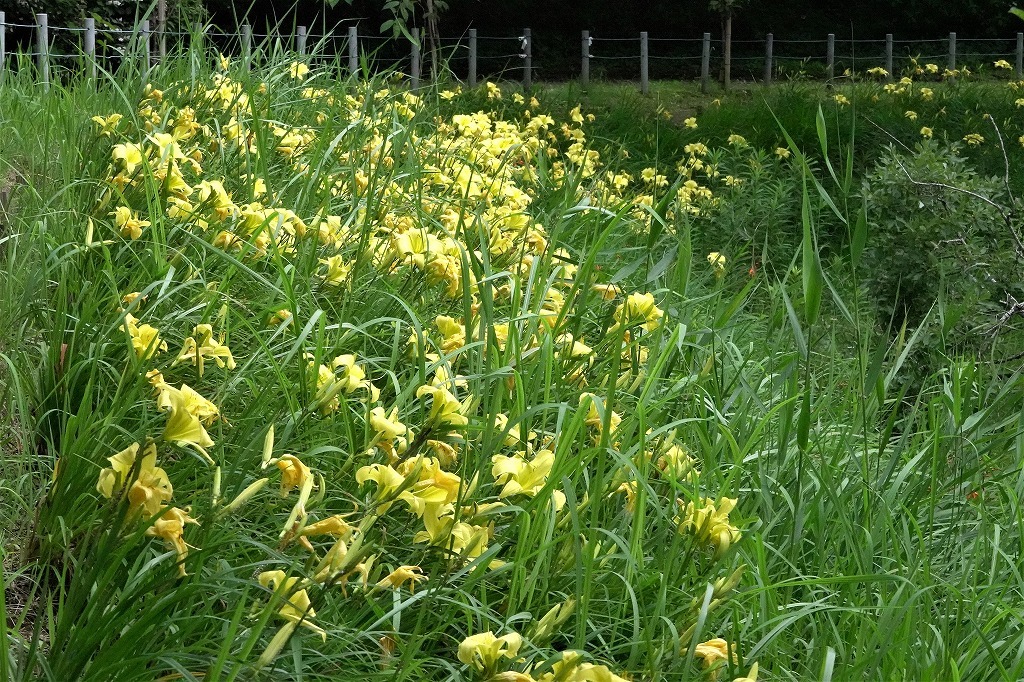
x: 792, y: 19
x: 556, y: 26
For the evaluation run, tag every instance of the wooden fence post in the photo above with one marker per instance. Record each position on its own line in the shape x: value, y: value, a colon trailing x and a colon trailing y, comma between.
x: 90, y: 48
x: 3, y: 42
x: 300, y: 41
x: 527, y: 59
x: 888, y: 56
x: 585, y: 57
x: 246, y: 46
x: 414, y: 71
x: 43, y: 50
x: 830, y: 56
x: 144, y: 37
x: 727, y: 52
x: 952, y: 52
x: 645, y: 85
x: 769, y: 41
x: 353, y: 51
x: 472, y: 57
x: 1020, y: 56
x: 705, y: 63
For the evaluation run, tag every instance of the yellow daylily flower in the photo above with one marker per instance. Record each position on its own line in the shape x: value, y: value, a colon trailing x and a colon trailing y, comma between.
x: 638, y: 308
x: 182, y: 425
x: 521, y: 477
x: 105, y: 125
x: 297, y: 607
x: 402, y: 575
x: 127, y: 157
x: 169, y: 527
x: 607, y: 292
x: 201, y: 346
x: 151, y: 487
x: 483, y: 651
x: 677, y: 464
x: 595, y: 417
x: 717, y: 262
x: 213, y: 196
x: 338, y: 269
x: 146, y: 341
x: 388, y: 430
x: 128, y: 222
x: 464, y: 540
x: 445, y: 408
x: 572, y: 669
x: 710, y: 522
x: 113, y: 478
x: 388, y: 481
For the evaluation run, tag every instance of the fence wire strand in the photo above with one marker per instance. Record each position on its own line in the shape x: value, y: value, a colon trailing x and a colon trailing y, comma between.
x: 456, y: 47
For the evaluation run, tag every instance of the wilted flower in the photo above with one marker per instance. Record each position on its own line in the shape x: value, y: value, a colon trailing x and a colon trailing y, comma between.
x: 713, y: 651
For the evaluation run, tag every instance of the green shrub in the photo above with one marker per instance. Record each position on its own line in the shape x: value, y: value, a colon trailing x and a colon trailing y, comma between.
x: 935, y: 237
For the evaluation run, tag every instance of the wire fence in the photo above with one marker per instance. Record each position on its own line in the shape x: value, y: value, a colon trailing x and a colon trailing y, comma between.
x: 70, y: 51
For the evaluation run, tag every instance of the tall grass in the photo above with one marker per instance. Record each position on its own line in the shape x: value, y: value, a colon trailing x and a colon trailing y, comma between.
x: 880, y: 518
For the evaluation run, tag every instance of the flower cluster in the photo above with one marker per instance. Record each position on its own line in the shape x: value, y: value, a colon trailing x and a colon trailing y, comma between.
x: 440, y: 466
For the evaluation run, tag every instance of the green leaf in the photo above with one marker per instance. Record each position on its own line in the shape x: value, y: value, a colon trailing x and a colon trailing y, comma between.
x: 803, y: 424
x: 860, y: 235
x: 812, y: 276
x: 1017, y: 12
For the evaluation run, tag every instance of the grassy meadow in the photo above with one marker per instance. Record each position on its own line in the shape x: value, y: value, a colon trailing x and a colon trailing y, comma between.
x: 307, y: 378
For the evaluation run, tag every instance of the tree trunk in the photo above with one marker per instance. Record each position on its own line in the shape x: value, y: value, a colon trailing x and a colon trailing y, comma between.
x: 726, y: 50
x: 432, y: 40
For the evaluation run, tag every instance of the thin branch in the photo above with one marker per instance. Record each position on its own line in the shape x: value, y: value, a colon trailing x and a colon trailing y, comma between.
x: 1006, y: 162
x: 1007, y: 217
